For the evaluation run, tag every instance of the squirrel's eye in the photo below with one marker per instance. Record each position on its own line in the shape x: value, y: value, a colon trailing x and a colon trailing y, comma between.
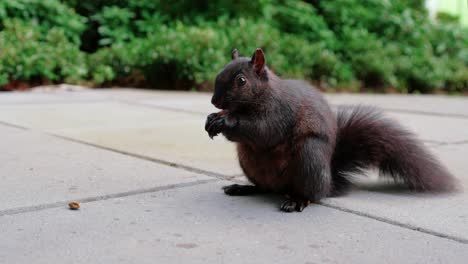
x: 241, y: 81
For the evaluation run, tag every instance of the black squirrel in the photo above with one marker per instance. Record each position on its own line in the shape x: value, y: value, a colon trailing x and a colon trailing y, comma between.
x: 290, y: 142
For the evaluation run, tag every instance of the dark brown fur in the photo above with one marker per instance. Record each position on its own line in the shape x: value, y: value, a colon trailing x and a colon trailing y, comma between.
x: 290, y: 142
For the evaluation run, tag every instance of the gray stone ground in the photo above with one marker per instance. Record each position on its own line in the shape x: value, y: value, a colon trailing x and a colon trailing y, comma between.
x: 149, y: 180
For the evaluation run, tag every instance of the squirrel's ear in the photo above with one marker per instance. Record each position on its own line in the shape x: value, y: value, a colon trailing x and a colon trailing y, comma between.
x: 234, y: 54
x: 258, y: 61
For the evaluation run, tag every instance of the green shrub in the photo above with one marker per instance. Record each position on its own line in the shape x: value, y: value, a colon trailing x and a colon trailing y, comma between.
x: 45, y: 14
x: 370, y: 44
x: 393, y: 43
x: 27, y: 53
x: 197, y: 52
x: 445, y: 17
x: 39, y: 40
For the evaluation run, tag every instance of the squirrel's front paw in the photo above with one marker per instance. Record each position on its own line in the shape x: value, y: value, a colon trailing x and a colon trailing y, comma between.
x: 215, y: 124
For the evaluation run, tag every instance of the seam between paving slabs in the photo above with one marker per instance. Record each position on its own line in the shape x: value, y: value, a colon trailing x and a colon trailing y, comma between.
x: 155, y: 160
x: 396, y: 223
x: 40, y: 207
x: 414, y: 112
x: 100, y: 100
x: 427, y: 113
x: 13, y: 125
x: 159, y: 107
x: 207, y: 173
x: 130, y: 154
x: 25, y: 209
x: 461, y: 142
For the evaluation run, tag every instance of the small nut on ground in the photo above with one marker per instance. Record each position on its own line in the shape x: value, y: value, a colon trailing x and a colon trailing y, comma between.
x: 74, y: 205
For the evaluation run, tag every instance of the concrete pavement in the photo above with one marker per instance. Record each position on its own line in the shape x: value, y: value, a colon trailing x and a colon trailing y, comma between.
x: 149, y: 179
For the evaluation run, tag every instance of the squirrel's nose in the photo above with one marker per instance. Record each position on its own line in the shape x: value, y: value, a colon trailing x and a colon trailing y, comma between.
x: 216, y: 103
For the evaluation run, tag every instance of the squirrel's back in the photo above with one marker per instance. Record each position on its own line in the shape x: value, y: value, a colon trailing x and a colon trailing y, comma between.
x: 313, y: 115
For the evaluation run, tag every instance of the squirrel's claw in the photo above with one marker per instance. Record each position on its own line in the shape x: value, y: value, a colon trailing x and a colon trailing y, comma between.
x: 291, y: 205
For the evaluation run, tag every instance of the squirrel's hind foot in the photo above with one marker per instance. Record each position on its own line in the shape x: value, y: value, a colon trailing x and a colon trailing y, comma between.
x: 291, y: 205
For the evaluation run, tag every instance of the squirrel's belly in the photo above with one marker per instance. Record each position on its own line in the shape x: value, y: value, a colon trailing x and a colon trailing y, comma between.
x: 266, y: 169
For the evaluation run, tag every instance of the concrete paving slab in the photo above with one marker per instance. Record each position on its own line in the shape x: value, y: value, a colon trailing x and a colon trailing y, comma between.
x: 440, y: 129
x: 455, y: 157
x: 190, y: 100
x: 130, y: 128
x: 40, y: 97
x: 430, y: 128
x: 195, y: 102
x: 161, y: 134
x: 200, y: 102
x: 448, y: 105
x: 27, y: 97
x: 446, y: 214
x: 39, y: 169
x: 443, y: 213
x: 199, y: 224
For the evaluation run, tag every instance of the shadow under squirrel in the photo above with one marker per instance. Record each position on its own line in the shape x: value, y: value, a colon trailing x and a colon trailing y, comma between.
x: 290, y: 142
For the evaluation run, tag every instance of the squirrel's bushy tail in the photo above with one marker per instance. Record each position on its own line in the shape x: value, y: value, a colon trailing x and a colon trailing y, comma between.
x: 366, y: 139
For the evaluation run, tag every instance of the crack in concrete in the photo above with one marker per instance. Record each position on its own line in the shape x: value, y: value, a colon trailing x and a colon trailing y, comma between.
x: 104, y: 197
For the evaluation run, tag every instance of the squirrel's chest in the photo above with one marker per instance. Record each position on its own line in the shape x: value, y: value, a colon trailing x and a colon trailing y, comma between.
x: 266, y: 169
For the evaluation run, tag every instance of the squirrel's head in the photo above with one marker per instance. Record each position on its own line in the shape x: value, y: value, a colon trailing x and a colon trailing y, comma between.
x: 242, y: 82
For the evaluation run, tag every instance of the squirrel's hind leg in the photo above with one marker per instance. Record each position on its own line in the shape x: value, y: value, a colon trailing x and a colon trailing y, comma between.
x: 312, y: 180
x: 340, y: 185
x: 239, y: 190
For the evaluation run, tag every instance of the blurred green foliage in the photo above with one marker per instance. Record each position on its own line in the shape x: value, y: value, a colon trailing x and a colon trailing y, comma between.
x: 371, y: 44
